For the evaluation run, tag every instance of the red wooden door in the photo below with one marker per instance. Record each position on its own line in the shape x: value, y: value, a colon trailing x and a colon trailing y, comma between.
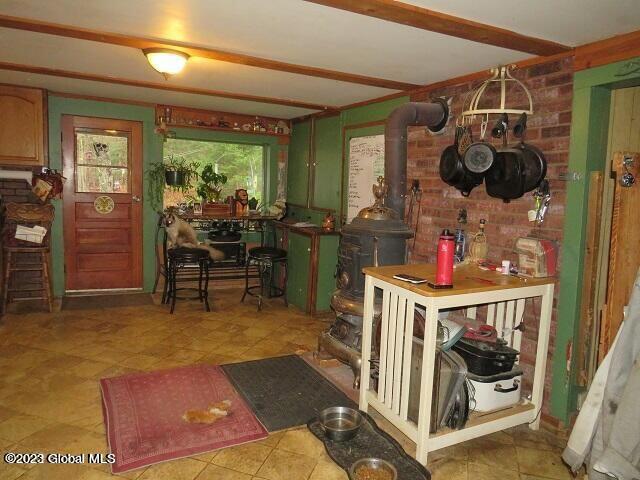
x: 102, y: 203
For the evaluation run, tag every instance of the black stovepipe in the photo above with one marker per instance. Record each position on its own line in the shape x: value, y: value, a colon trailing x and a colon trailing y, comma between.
x: 434, y: 116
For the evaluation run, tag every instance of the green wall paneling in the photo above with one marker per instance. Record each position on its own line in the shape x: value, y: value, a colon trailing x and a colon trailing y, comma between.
x: 589, y: 129
x: 152, y: 152
x: 298, y: 258
x: 371, y: 111
x: 298, y: 164
x: 326, y: 271
x: 327, y: 173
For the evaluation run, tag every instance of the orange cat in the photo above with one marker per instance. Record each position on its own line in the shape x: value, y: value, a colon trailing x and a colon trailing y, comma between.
x: 213, y: 412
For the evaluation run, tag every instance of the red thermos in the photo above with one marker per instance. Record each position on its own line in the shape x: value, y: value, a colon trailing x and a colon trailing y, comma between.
x: 444, y: 266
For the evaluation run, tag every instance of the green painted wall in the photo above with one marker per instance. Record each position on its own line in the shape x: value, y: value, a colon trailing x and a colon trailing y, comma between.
x: 371, y: 112
x: 152, y: 151
x: 589, y: 129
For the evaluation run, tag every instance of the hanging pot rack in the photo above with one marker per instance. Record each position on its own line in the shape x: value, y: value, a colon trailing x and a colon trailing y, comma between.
x: 501, y: 75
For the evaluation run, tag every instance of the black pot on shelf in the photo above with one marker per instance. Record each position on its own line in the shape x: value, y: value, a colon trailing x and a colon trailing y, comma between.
x: 175, y: 177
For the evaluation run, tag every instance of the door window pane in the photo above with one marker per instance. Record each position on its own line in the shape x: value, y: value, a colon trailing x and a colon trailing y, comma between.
x: 102, y: 179
x: 102, y: 162
x: 96, y: 149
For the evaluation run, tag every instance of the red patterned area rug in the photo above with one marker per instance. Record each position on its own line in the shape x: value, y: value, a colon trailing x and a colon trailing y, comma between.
x: 143, y: 415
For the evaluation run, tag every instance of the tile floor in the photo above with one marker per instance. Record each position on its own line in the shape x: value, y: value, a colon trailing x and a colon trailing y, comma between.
x: 49, y: 397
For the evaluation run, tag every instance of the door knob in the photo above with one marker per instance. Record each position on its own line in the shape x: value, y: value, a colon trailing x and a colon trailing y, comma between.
x: 136, y: 198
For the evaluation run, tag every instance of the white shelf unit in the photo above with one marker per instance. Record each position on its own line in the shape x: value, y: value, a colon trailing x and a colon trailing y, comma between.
x: 505, y: 310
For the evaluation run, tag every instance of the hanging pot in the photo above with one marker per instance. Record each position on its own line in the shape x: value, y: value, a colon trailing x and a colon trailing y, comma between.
x: 452, y: 170
x: 174, y: 177
x: 506, y: 177
x: 535, y: 166
x: 479, y: 157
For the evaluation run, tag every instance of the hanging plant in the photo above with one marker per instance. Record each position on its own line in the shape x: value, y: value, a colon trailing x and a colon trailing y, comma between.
x: 175, y: 173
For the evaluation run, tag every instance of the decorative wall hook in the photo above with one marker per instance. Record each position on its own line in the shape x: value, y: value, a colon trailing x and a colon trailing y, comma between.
x: 627, y: 179
x: 629, y: 68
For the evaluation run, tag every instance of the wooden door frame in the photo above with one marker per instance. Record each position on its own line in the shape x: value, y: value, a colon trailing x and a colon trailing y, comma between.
x: 134, y: 128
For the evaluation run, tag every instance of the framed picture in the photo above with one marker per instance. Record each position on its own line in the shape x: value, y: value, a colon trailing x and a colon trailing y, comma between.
x: 197, y: 208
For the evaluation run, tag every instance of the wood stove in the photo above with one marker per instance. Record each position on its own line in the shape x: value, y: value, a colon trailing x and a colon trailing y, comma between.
x: 376, y: 237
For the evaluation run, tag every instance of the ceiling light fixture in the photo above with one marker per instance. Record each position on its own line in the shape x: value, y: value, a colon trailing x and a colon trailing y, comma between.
x: 166, y: 61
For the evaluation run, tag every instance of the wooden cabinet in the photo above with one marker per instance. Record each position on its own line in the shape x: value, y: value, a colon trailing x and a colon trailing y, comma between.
x: 22, y: 136
x: 315, y: 165
x: 298, y: 165
x: 311, y: 258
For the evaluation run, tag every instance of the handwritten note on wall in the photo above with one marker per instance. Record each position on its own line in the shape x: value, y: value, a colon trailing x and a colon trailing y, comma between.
x: 366, y: 163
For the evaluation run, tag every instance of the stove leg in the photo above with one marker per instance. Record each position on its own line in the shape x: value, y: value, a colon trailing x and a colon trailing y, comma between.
x: 355, y: 365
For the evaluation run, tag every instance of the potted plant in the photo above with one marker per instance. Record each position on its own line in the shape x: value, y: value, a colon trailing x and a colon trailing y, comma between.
x: 161, y: 175
x: 179, y: 172
x: 211, y: 184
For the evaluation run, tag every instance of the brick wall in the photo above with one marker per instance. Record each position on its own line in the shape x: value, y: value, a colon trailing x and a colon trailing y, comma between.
x: 551, y: 87
x: 17, y: 191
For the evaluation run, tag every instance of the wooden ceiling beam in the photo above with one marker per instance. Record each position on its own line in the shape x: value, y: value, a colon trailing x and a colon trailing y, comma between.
x: 195, y: 51
x: 433, y: 21
x: 609, y: 50
x: 160, y: 86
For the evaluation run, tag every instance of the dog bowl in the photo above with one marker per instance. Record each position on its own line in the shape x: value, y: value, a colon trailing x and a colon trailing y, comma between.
x: 374, y: 468
x: 340, y: 423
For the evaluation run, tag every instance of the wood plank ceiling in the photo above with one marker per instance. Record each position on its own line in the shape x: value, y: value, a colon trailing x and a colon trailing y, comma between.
x: 283, y: 57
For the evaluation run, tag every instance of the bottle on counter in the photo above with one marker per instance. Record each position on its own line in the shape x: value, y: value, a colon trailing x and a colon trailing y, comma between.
x: 444, y: 262
x: 479, y: 248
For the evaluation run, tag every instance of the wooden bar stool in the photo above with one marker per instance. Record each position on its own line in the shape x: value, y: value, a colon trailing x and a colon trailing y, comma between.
x: 24, y: 258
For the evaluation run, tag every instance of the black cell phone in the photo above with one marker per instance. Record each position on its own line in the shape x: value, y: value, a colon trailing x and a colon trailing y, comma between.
x: 410, y: 278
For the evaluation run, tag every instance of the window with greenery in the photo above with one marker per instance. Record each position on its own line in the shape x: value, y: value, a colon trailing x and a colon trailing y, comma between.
x: 242, y: 164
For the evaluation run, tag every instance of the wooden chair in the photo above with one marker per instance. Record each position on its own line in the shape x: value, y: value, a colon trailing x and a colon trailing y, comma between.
x: 22, y: 258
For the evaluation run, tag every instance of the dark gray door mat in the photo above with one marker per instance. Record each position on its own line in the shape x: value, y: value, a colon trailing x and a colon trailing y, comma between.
x: 90, y: 302
x: 371, y: 441
x: 284, y: 392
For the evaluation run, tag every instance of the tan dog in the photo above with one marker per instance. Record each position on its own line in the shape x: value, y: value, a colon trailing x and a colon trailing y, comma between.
x: 213, y: 412
x: 181, y: 234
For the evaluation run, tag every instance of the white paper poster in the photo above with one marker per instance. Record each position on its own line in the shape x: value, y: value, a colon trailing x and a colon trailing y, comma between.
x: 366, y: 164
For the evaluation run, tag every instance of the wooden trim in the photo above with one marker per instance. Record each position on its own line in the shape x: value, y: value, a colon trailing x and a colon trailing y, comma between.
x: 610, y: 50
x: 54, y: 93
x: 433, y: 21
x: 315, y: 209
x: 484, y: 74
x: 588, y: 321
x: 194, y: 51
x: 158, y: 86
x: 374, y: 100
x: 325, y: 114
